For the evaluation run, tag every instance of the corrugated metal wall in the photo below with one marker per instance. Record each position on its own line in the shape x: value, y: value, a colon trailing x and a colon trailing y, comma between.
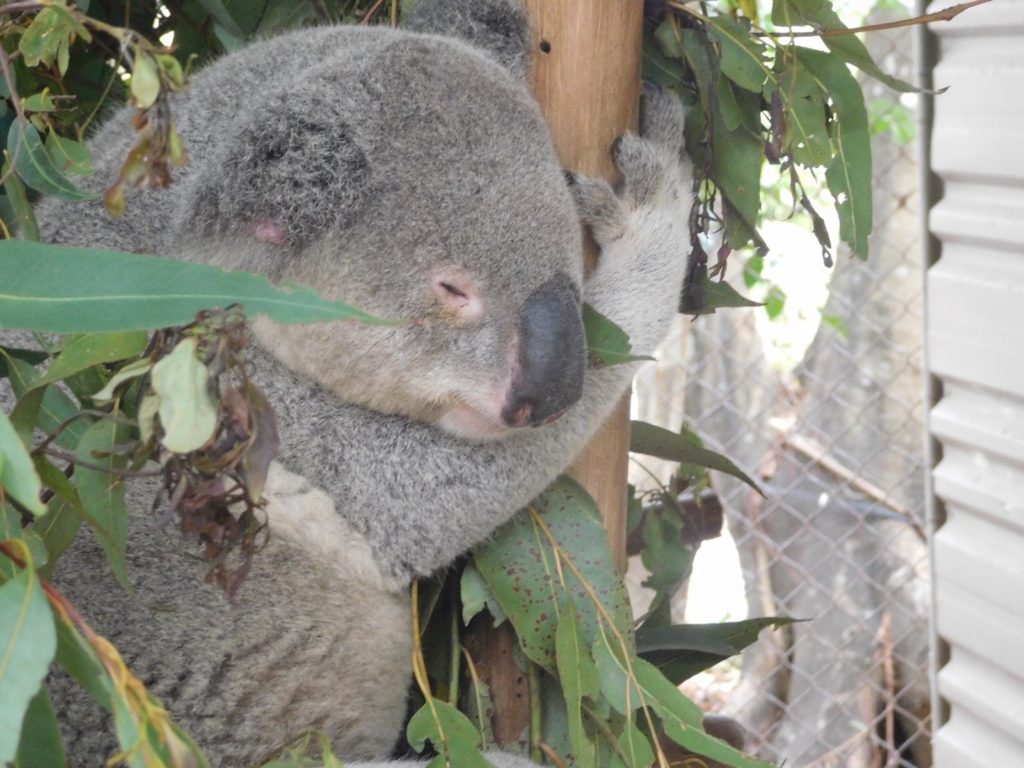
x: 975, y: 338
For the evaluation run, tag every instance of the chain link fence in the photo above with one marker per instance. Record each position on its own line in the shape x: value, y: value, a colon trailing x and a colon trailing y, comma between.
x: 835, y: 433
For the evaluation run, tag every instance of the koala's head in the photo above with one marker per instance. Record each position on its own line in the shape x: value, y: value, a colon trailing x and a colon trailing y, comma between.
x: 417, y: 181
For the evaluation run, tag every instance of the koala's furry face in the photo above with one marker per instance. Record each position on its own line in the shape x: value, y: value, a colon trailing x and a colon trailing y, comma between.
x: 430, y: 193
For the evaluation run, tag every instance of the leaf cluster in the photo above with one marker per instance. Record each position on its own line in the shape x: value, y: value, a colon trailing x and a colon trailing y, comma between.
x: 757, y: 95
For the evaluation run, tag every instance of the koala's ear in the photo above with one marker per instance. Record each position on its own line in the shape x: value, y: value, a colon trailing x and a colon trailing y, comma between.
x: 290, y: 169
x: 497, y: 27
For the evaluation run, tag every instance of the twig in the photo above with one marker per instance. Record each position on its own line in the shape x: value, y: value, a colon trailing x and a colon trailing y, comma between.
x: 817, y: 453
x: 57, y: 453
x: 12, y: 86
x: 19, y: 7
x: 372, y: 12
x: 946, y: 14
x: 75, y: 417
x: 687, y: 10
x: 394, y: 13
x: 553, y: 756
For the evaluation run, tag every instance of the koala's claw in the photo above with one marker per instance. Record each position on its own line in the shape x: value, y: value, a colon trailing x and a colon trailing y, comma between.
x: 655, y: 174
x: 644, y: 167
x: 600, y: 208
x: 661, y: 117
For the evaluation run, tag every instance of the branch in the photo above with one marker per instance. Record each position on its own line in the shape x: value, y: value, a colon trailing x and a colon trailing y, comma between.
x: 946, y: 14
x: 19, y: 7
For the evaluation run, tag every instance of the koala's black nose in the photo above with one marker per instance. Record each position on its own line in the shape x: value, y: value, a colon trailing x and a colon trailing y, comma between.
x: 552, y: 356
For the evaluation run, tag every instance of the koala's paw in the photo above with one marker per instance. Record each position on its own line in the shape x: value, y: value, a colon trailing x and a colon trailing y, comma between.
x: 642, y: 227
x: 655, y: 174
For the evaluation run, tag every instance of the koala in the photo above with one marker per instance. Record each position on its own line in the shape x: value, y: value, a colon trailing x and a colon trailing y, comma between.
x: 410, y: 173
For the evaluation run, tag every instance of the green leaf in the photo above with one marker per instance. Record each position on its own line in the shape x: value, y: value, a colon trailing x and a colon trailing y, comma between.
x: 607, y: 344
x: 849, y: 173
x: 145, y: 80
x: 41, y: 743
x: 39, y: 102
x: 220, y: 13
x: 10, y: 528
x: 820, y: 15
x: 667, y: 559
x: 806, y: 136
x: 57, y: 531
x: 58, y: 289
x: 578, y: 676
x: 17, y: 474
x: 742, y: 56
x: 79, y: 660
x: 27, y: 645
x: 68, y: 155
x: 636, y: 746
x: 188, y: 413
x: 451, y: 733
x: 24, y: 217
x: 128, y: 372
x: 736, y: 156
x: 703, y: 295
x: 480, y: 704
x: 48, y: 411
x: 630, y: 682
x: 30, y: 356
x: 34, y: 165
x: 655, y: 441
x: 775, y: 302
x: 681, y: 651
x: 102, y: 493
x: 520, y: 566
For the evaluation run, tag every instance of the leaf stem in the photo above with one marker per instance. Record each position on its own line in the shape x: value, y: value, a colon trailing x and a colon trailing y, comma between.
x: 455, y: 659
x: 536, y: 720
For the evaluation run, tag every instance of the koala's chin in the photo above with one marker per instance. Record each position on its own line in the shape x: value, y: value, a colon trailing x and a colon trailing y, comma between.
x: 469, y: 423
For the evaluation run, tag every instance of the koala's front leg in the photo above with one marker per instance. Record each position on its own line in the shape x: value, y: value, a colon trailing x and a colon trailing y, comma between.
x: 643, y: 228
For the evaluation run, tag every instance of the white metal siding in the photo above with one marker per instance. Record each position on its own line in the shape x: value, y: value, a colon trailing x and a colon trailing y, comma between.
x: 975, y: 332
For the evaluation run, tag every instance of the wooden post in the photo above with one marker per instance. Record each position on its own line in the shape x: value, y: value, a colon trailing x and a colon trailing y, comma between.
x: 585, y: 73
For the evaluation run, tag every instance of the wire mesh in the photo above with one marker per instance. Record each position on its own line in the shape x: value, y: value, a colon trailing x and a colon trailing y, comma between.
x: 839, y: 539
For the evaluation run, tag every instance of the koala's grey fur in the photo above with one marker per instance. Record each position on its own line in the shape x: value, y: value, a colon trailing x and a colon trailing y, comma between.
x: 378, y: 156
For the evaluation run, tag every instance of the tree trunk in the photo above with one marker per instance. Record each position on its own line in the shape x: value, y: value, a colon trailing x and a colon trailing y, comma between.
x: 585, y: 74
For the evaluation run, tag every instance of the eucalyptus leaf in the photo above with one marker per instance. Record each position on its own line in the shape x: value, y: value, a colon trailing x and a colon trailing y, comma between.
x: 820, y: 15
x: 24, y: 221
x: 849, y: 174
x: 656, y: 441
x: 69, y: 155
x: 59, y: 289
x: 607, y: 344
x: 102, y: 493
x: 703, y: 295
x: 28, y: 642
x: 681, y: 651
x: 635, y: 746
x: 578, y: 676
x: 145, y: 80
x: 17, y: 474
x: 188, y: 414
x: 450, y: 732
x: 742, y: 55
x: 35, y: 167
x: 521, y: 568
x: 41, y: 743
